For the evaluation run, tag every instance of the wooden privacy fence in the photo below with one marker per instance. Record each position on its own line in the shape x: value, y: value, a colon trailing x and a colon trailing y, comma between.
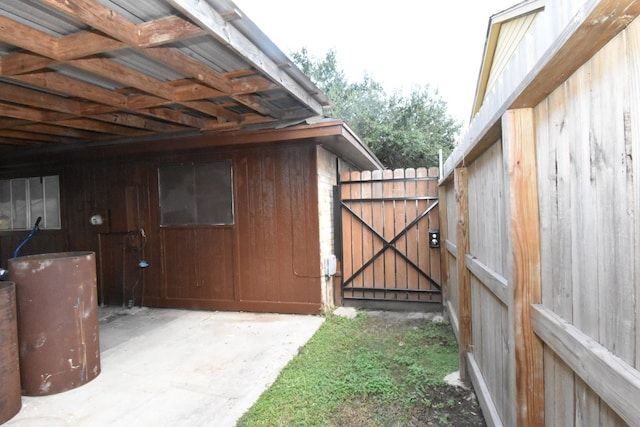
x: 387, y: 249
x: 540, y: 211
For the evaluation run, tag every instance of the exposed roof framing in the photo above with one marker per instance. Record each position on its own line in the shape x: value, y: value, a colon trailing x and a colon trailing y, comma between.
x: 77, y: 71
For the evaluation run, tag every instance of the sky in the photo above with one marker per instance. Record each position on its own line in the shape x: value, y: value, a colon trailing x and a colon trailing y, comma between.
x: 400, y: 44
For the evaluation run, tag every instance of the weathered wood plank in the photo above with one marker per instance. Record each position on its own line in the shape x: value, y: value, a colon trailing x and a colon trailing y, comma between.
x: 191, y: 67
x: 356, y: 231
x: 400, y: 208
x: 166, y: 30
x: 24, y: 36
x: 632, y: 102
x: 583, y: 265
x: 412, y: 212
x: 389, y: 229
x: 377, y: 219
x: 68, y: 86
x: 125, y: 75
x: 367, y: 235
x: 493, y: 281
x: 444, y: 232
x: 99, y: 17
x: 518, y: 134
x: 102, y: 127
x: 554, y: 179
x: 85, y: 43
x: 614, y: 380
x: 489, y: 409
x: 464, y: 285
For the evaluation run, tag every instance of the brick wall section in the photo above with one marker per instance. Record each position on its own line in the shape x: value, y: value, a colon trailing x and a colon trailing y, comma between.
x: 327, y: 179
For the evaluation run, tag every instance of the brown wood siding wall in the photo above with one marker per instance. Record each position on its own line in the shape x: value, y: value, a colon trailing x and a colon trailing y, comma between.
x: 278, y: 226
x: 269, y: 260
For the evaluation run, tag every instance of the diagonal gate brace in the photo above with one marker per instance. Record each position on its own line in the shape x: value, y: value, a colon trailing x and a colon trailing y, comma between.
x: 390, y: 244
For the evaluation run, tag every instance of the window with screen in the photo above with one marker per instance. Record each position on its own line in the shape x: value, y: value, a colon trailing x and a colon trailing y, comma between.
x: 23, y: 200
x: 196, y: 194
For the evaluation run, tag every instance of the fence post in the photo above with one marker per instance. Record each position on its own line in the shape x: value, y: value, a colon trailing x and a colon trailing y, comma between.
x: 444, y: 235
x: 518, y: 135
x: 464, y: 281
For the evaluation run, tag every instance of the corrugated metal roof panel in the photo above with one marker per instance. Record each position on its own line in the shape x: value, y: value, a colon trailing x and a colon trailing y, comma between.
x: 140, y: 11
x: 83, y: 76
x: 40, y: 17
x: 213, y: 53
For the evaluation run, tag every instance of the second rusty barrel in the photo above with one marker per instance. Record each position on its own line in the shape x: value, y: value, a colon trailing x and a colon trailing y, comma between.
x: 57, y: 321
x: 10, y: 400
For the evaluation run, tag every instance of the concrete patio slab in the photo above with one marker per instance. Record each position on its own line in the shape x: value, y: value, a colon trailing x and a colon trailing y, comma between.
x: 164, y: 367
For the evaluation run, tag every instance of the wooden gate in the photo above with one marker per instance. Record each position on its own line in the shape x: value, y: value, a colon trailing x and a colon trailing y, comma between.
x: 390, y: 237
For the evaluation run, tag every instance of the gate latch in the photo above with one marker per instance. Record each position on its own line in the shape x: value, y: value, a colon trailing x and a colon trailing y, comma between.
x: 434, y: 238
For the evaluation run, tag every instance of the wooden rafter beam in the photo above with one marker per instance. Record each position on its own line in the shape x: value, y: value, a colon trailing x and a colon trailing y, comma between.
x: 166, y: 30
x: 25, y: 37
x: 99, y: 17
x: 177, y: 116
x: 9, y: 141
x: 101, y: 127
x: 68, y: 132
x: 37, y: 99
x: 134, y: 121
x: 66, y: 85
x: 19, y: 112
x: 85, y: 43
x: 29, y: 136
x: 70, y: 48
x: 7, y: 123
x: 213, y: 109
x: 23, y: 62
x: 186, y: 65
x: 189, y: 66
x: 112, y: 70
x: 40, y: 94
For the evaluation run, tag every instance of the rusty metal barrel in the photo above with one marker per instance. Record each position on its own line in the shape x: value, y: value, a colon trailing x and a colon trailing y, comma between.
x: 57, y: 306
x: 10, y: 399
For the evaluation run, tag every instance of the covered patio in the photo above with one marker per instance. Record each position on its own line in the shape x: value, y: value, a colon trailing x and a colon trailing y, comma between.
x: 168, y: 367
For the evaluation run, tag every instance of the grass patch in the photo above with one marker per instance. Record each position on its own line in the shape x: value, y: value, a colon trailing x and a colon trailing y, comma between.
x: 367, y: 371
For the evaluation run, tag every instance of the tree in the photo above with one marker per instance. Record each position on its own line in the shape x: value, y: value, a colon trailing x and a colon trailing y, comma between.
x: 403, y: 131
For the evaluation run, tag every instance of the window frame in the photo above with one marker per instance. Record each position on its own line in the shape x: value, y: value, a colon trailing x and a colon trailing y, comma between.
x: 228, y: 217
x: 28, y: 213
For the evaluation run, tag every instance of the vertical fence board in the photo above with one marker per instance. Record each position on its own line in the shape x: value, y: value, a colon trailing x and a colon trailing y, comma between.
x: 367, y: 234
x: 422, y: 238
x: 377, y: 208
x: 388, y: 231
x: 444, y: 235
x: 633, y: 121
x: 412, y: 234
x: 583, y: 267
x: 519, y: 136
x: 398, y: 225
x: 554, y: 180
x: 356, y: 229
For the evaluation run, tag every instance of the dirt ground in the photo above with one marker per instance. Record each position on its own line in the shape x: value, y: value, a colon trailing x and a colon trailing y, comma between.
x: 464, y: 411
x: 449, y: 405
